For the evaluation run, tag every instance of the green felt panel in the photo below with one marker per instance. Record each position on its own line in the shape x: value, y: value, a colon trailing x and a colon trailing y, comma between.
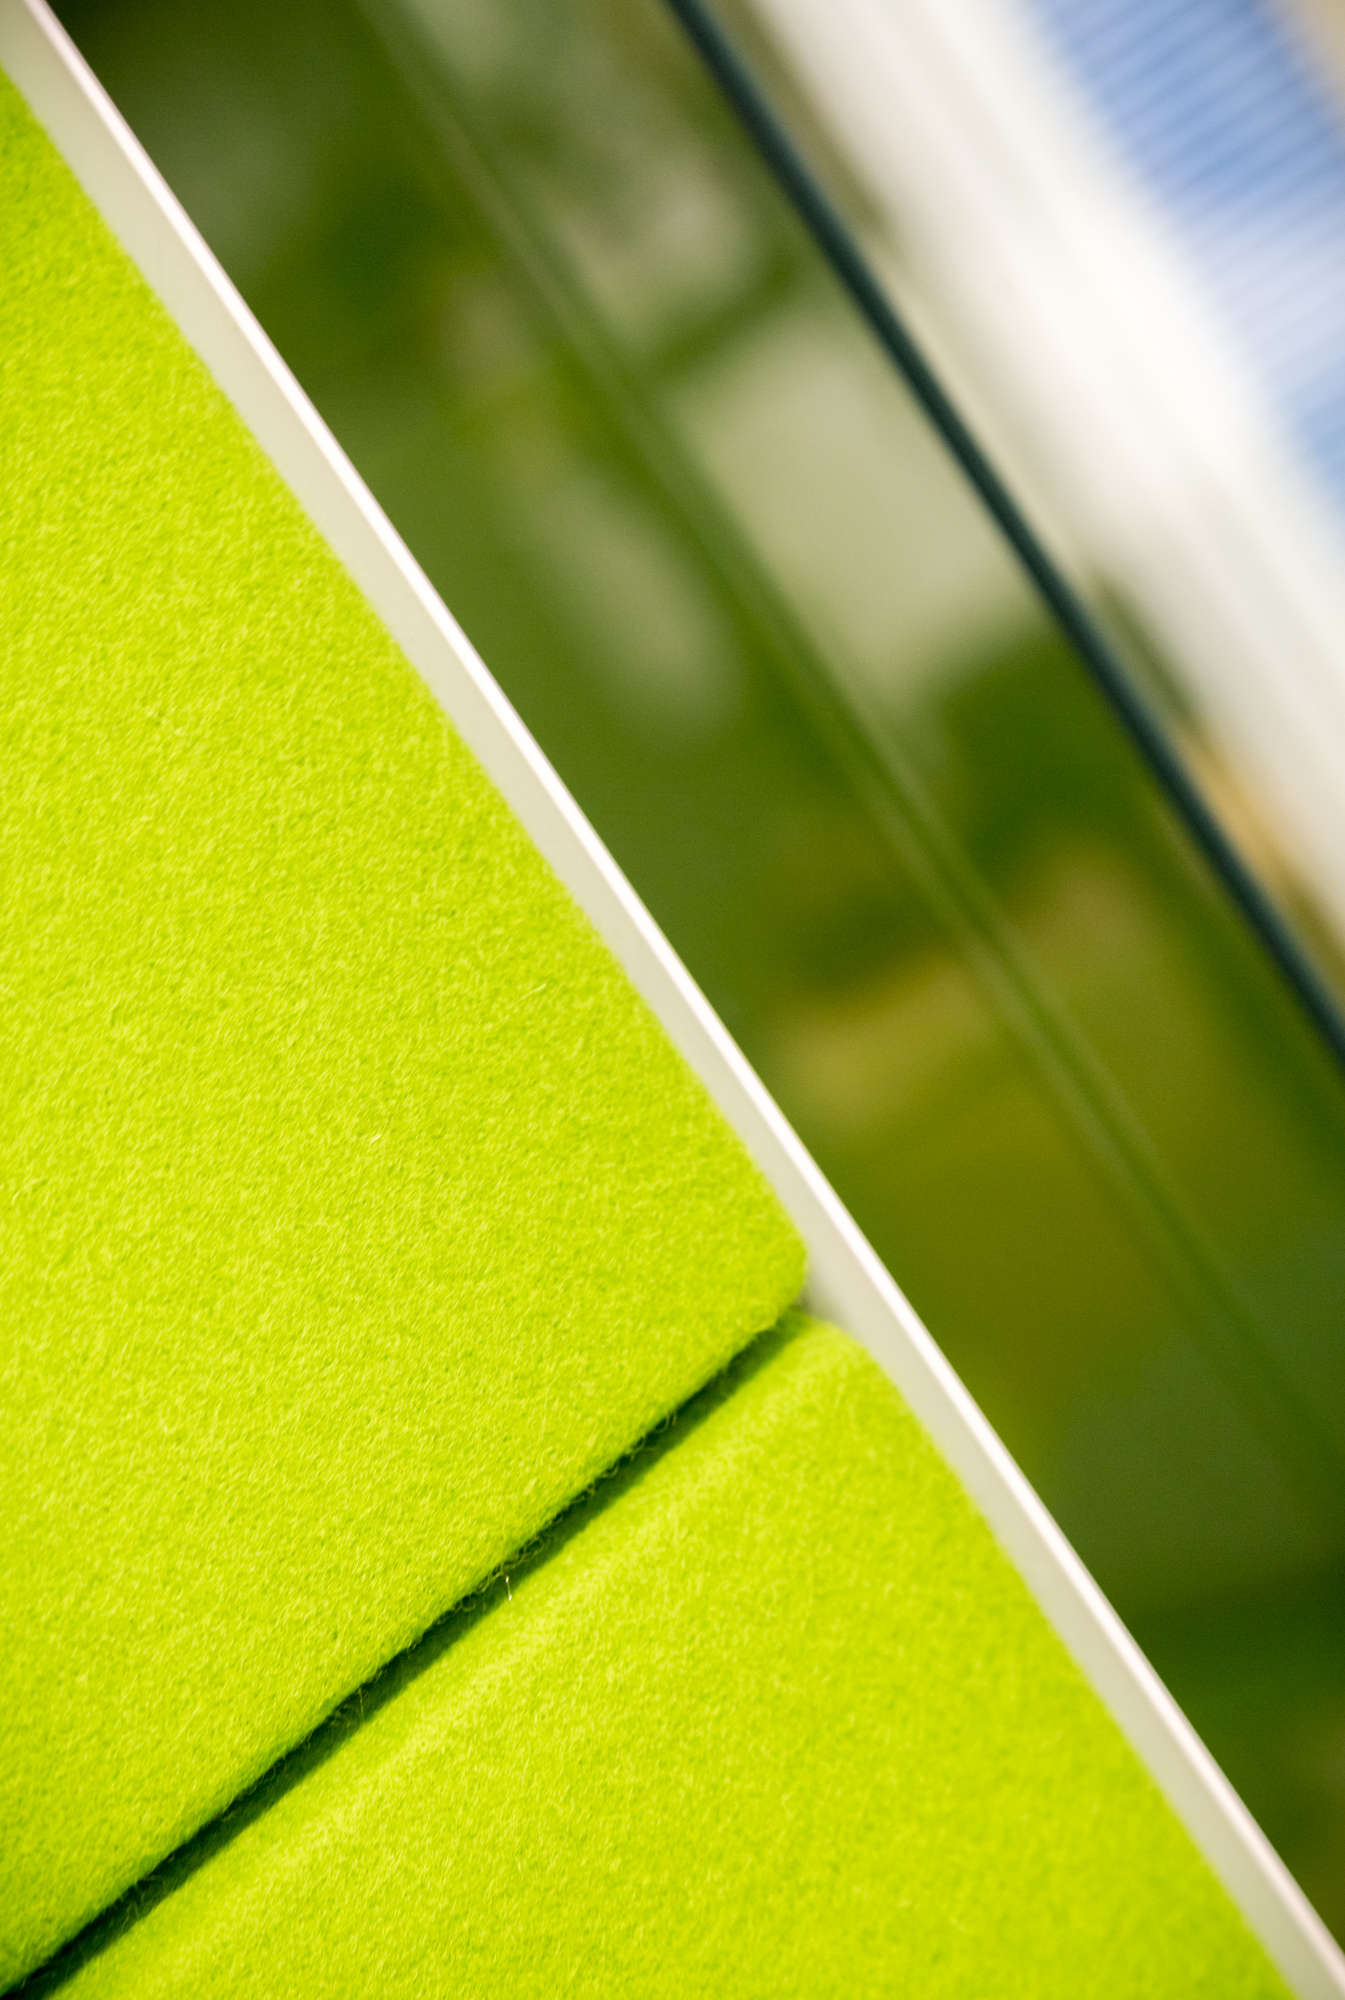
x: 357, y: 1212
x: 778, y: 1718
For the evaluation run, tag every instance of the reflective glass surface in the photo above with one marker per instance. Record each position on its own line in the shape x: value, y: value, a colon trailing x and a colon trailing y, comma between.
x: 536, y: 280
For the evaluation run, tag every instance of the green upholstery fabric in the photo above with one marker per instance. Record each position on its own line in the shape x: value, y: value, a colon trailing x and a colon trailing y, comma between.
x: 776, y: 1717
x: 357, y: 1212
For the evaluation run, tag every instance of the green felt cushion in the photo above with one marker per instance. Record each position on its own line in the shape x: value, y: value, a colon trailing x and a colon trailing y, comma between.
x: 356, y: 1211
x: 777, y: 1719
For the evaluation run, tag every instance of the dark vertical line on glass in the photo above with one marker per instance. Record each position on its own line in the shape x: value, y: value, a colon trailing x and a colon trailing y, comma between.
x: 837, y: 244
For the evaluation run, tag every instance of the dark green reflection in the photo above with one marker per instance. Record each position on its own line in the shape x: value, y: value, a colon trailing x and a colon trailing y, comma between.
x: 533, y: 278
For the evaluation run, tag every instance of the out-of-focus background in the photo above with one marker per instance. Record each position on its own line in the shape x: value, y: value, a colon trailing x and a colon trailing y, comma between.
x: 535, y: 278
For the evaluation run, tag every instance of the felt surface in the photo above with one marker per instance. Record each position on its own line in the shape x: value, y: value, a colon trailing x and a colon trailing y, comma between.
x: 777, y: 1719
x: 356, y: 1211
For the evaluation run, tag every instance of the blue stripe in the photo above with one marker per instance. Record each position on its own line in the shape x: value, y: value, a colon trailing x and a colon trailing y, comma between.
x: 1218, y: 115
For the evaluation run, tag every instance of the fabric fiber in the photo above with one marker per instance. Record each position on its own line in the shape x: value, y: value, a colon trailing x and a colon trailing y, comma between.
x: 357, y: 1212
x: 775, y: 1717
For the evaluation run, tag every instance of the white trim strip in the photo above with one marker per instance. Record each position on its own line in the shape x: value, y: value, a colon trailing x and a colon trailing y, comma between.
x: 848, y: 1281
